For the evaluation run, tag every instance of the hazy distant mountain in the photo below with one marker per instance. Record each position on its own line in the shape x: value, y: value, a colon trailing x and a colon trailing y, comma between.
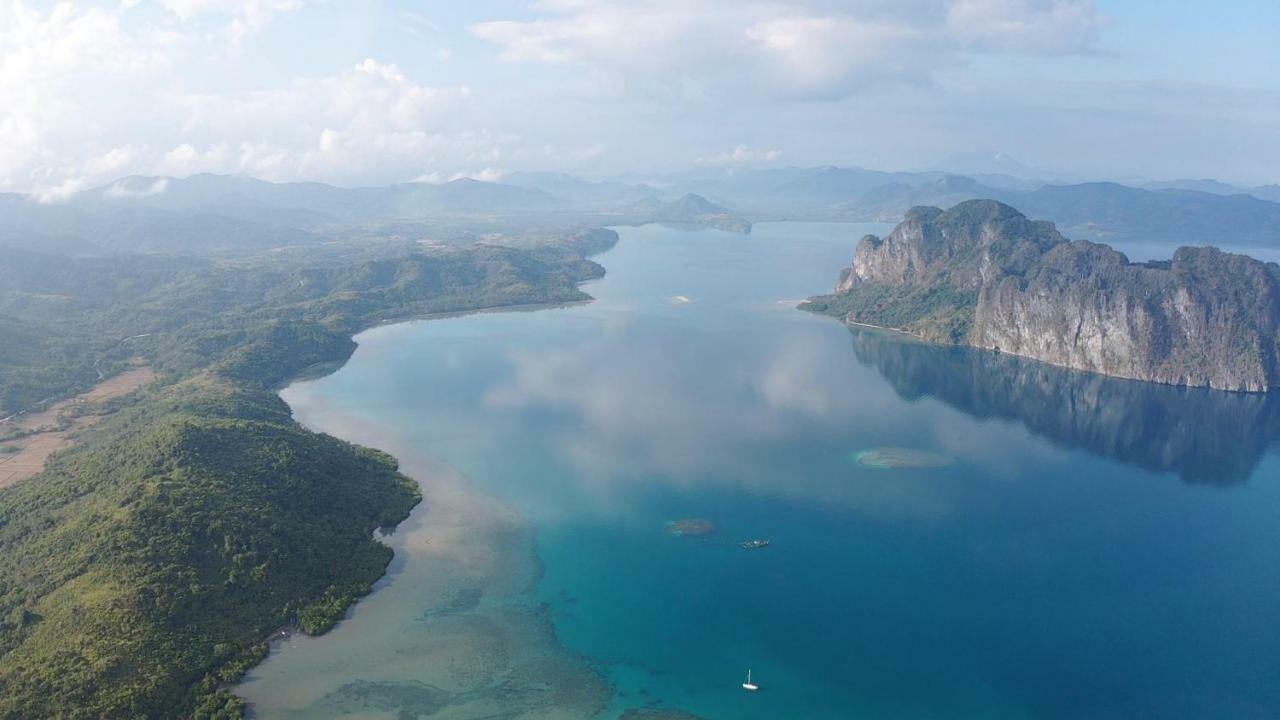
x: 302, y: 204
x: 1177, y: 215
x: 466, y: 196
x: 197, y: 192
x: 228, y: 215
x: 1089, y: 209
x: 1203, y: 185
x: 1270, y: 193
x: 1007, y: 182
x: 695, y: 210
x: 1095, y: 210
x: 989, y: 163
x: 13, y: 238
x: 787, y: 192
x: 194, y: 233
x: 888, y: 203
x: 835, y: 185
x: 804, y: 192
x: 231, y: 214
x: 90, y: 228
x: 584, y: 193
x: 734, y: 184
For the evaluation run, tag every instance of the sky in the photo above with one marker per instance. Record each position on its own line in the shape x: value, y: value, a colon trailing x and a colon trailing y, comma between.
x: 384, y: 91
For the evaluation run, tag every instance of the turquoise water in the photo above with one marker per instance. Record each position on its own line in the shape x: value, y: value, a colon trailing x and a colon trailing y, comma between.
x: 1082, y: 548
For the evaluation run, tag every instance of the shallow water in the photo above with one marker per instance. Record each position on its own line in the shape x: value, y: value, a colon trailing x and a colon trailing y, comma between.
x: 1075, y: 547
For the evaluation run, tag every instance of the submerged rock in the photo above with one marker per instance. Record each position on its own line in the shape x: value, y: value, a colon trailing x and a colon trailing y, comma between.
x: 658, y: 714
x: 890, y: 458
x: 691, y: 526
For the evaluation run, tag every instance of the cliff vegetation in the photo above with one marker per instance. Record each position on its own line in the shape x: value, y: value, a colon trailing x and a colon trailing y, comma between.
x: 982, y: 274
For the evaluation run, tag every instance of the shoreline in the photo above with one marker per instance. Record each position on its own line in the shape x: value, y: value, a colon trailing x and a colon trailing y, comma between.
x: 450, y: 631
x: 490, y: 309
x: 474, y: 566
x: 325, y: 368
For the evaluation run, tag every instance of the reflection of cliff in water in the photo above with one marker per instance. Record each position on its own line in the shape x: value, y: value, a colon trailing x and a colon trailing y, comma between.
x: 1205, y: 436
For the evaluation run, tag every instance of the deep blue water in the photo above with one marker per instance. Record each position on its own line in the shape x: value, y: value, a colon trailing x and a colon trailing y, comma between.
x: 1091, y: 548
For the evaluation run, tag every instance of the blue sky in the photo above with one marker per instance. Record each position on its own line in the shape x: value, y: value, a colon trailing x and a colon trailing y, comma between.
x: 391, y: 90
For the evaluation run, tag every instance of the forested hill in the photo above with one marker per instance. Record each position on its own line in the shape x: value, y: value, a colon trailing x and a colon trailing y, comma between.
x: 142, y: 571
x: 69, y: 314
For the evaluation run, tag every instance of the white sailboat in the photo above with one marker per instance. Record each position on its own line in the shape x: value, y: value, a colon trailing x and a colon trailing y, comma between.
x: 748, y: 685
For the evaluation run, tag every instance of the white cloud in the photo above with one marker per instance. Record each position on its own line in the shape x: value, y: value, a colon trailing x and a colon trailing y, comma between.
x: 62, y: 74
x: 796, y: 48
x: 740, y: 156
x: 586, y: 31
x: 1025, y: 26
x: 483, y: 175
x: 590, y: 152
x: 88, y: 94
x: 92, y: 90
x: 242, y: 18
x: 371, y: 123
x: 123, y: 189
x: 821, y: 56
x: 60, y: 191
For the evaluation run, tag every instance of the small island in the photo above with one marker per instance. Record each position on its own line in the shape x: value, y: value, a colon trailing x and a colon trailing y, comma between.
x: 695, y: 211
x: 984, y: 275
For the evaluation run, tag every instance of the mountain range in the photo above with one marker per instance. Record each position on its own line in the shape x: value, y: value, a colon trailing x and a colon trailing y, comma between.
x: 228, y: 215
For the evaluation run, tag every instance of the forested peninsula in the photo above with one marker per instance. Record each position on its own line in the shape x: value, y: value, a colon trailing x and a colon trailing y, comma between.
x: 142, y: 571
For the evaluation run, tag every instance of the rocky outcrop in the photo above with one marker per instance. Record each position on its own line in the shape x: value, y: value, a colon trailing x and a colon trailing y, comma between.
x: 982, y: 274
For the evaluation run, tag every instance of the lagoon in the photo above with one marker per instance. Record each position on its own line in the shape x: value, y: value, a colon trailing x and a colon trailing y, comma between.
x: 953, y: 533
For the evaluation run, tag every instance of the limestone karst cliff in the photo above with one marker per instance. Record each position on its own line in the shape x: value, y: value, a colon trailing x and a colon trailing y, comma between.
x: 982, y: 274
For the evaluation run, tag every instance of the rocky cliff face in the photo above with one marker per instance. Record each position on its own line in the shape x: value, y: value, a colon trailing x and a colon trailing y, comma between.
x: 982, y: 274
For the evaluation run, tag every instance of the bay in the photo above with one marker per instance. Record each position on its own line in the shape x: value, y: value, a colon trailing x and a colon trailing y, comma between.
x: 953, y: 533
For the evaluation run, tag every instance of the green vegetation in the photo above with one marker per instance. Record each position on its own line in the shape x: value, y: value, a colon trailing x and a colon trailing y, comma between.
x: 955, y: 248
x: 141, y: 572
x: 983, y: 274
x: 68, y: 316
x: 939, y: 312
x: 196, y: 522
